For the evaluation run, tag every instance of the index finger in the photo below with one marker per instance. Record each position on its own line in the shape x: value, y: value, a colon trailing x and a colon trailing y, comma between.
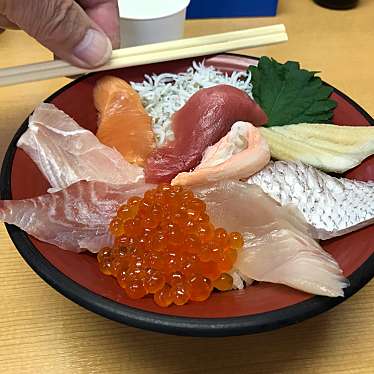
x: 106, y: 15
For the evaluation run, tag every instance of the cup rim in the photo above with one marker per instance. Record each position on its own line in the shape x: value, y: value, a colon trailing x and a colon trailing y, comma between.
x: 183, y: 7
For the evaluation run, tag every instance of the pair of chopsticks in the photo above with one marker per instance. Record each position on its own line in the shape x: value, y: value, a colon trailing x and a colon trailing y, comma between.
x: 151, y: 53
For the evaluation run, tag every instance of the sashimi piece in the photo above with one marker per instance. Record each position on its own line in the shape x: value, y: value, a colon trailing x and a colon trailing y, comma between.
x: 239, y: 154
x: 206, y: 117
x: 76, y: 218
x: 67, y: 153
x: 235, y: 207
x: 278, y: 245
x: 123, y: 122
x: 333, y: 206
x: 284, y: 256
x: 163, y: 94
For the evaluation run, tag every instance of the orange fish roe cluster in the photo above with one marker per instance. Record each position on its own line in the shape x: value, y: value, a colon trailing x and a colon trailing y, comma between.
x: 165, y: 245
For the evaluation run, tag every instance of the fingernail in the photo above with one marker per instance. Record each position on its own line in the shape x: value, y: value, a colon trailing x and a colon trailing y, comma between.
x: 94, y: 49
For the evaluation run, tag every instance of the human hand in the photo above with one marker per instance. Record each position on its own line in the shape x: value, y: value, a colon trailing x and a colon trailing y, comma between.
x: 81, y: 32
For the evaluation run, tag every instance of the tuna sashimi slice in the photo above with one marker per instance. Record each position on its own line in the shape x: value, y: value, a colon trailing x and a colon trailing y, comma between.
x: 206, y: 117
x: 76, y: 218
x: 242, y: 152
x: 67, y: 153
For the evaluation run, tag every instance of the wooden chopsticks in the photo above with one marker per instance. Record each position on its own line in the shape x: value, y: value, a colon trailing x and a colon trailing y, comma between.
x: 151, y: 53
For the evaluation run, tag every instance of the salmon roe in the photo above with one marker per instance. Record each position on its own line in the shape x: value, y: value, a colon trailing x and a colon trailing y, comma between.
x: 165, y: 245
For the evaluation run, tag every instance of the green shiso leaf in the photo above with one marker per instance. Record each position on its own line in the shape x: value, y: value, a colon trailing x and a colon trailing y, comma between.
x: 290, y: 95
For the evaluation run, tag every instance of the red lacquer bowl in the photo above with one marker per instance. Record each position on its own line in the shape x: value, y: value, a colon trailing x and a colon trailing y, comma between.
x: 257, y: 308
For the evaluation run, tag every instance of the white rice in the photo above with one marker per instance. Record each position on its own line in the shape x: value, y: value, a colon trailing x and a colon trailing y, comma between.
x: 164, y: 94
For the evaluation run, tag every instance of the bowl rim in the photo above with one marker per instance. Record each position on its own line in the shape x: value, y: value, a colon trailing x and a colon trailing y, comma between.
x: 177, y: 325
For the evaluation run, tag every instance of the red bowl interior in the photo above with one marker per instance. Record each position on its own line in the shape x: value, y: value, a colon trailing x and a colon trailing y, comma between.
x: 351, y: 251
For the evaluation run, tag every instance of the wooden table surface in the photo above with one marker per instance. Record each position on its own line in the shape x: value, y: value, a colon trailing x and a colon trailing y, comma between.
x: 42, y: 332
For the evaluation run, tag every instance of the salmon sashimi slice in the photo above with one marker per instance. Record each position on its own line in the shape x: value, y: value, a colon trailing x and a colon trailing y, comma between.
x: 239, y: 154
x: 67, y: 153
x: 206, y: 117
x: 278, y: 242
x: 76, y: 218
x: 123, y: 122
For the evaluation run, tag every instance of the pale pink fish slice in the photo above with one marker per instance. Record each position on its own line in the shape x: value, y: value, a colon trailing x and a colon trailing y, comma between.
x: 67, y: 153
x: 286, y: 257
x: 76, y: 218
x: 242, y: 152
x: 278, y: 247
x: 235, y: 207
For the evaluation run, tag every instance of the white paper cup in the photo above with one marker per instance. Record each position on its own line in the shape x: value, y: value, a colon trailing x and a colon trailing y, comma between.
x: 151, y: 21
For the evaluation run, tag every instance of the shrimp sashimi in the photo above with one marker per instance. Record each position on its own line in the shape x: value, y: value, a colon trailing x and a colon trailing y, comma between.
x: 206, y: 117
x: 67, y: 153
x: 278, y: 245
x: 239, y: 154
x: 76, y: 218
x: 123, y: 122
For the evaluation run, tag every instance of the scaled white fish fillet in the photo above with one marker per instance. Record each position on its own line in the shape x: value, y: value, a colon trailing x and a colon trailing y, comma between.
x: 278, y: 245
x: 286, y: 257
x: 334, y: 206
x: 331, y: 148
x: 67, y: 153
x: 76, y: 218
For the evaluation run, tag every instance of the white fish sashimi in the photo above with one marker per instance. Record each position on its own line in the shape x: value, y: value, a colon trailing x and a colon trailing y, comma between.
x: 67, y: 153
x: 333, y: 206
x: 237, y: 206
x: 76, y: 218
x: 242, y: 152
x: 284, y: 256
x: 278, y: 245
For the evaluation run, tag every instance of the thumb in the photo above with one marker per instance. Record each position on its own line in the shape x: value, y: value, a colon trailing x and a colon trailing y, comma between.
x: 63, y: 27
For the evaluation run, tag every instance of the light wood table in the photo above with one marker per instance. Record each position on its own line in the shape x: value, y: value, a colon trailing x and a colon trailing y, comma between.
x: 42, y: 332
